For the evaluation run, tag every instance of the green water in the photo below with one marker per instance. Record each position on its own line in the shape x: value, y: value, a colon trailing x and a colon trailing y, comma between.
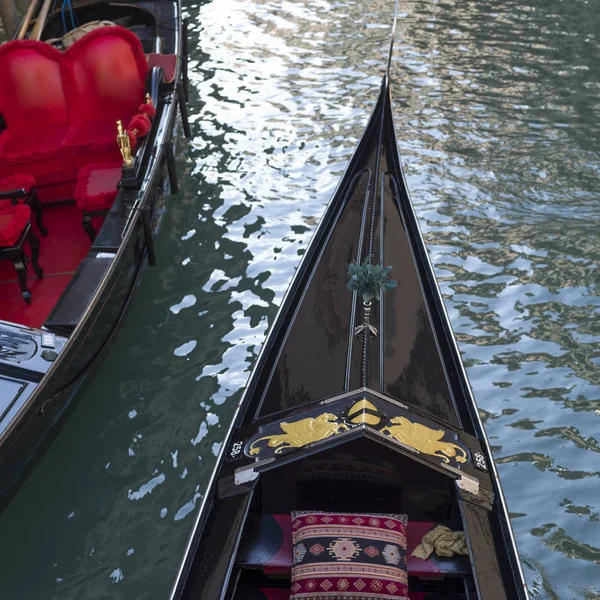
x: 498, y: 119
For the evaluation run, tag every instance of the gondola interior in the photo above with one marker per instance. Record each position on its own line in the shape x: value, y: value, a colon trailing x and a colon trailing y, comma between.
x: 360, y: 477
x: 61, y: 165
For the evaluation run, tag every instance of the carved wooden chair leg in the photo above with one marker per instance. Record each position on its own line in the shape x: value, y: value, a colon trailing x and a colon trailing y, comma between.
x: 20, y: 262
x: 36, y: 207
x: 34, y: 244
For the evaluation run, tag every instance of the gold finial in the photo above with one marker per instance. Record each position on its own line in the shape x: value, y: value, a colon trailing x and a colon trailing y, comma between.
x: 124, y: 144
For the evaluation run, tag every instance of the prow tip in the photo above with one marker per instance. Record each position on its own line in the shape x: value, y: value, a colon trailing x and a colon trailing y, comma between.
x: 392, y: 38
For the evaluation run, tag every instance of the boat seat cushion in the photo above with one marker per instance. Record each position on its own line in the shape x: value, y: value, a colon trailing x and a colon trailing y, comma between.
x: 13, y: 183
x: 59, y: 110
x: 168, y: 63
x: 267, y: 545
x: 96, y: 138
x: 35, y: 112
x: 343, y: 554
x: 267, y: 593
x: 108, y: 69
x: 97, y: 186
x: 13, y: 220
x: 32, y: 94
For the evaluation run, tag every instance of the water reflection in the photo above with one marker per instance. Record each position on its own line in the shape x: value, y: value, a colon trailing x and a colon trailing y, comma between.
x: 498, y: 126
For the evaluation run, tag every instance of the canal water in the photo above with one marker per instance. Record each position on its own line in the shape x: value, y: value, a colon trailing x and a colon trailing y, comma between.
x: 498, y: 121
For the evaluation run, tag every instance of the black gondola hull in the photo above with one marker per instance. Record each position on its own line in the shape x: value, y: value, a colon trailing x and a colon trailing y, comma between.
x: 321, y: 394
x: 42, y: 388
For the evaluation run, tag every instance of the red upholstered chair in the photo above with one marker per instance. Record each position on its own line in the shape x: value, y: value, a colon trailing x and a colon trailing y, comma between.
x: 96, y: 191
x: 15, y: 228
x: 108, y: 68
x: 23, y: 188
x: 34, y: 111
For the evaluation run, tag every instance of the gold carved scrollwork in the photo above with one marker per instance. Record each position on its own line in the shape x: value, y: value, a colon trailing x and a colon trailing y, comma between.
x: 424, y: 439
x: 301, y: 433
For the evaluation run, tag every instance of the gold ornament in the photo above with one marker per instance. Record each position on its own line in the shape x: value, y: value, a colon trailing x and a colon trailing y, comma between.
x: 301, y: 433
x: 424, y: 439
x: 124, y: 145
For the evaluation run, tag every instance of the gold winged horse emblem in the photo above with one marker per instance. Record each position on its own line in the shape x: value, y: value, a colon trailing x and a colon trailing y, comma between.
x: 301, y: 433
x: 424, y: 439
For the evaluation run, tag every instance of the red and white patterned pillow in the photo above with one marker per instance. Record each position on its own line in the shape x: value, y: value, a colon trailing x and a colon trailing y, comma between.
x: 349, y: 556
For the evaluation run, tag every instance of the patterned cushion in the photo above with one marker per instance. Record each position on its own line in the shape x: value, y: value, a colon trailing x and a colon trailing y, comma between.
x: 344, y: 556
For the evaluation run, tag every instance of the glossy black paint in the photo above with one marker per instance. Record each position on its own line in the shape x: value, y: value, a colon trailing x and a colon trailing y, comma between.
x: 310, y: 364
x: 212, y: 565
x: 89, y: 313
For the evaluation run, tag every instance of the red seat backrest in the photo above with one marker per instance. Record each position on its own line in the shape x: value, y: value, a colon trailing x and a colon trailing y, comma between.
x: 31, y: 90
x: 109, y: 74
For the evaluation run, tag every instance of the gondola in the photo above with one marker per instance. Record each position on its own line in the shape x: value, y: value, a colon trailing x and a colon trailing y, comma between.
x: 89, y: 110
x: 357, y: 434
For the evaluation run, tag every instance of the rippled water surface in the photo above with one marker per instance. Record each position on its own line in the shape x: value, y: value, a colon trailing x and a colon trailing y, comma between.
x: 498, y: 118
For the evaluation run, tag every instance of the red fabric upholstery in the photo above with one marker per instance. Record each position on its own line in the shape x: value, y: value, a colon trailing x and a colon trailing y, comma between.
x: 61, y: 108
x: 13, y: 219
x: 17, y: 182
x: 33, y: 104
x: 357, y: 555
x: 32, y: 95
x: 276, y: 593
x: 168, y: 62
x: 56, y: 192
x: 284, y: 594
x: 109, y: 77
x: 93, y: 142
x: 97, y: 186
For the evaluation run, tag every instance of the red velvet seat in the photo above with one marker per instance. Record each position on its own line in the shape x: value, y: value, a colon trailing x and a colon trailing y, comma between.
x: 17, y: 182
x: 13, y: 220
x: 108, y: 70
x: 33, y: 105
x: 22, y: 189
x: 168, y: 62
x: 60, y: 109
x: 96, y: 191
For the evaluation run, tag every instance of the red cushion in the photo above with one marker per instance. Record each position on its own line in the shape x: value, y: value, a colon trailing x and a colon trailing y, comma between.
x: 13, y: 219
x: 31, y: 94
x: 108, y: 69
x: 17, y: 182
x: 96, y: 136
x: 284, y: 594
x: 97, y: 186
x: 168, y: 62
x: 349, y: 555
x: 275, y: 593
x: 17, y: 148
